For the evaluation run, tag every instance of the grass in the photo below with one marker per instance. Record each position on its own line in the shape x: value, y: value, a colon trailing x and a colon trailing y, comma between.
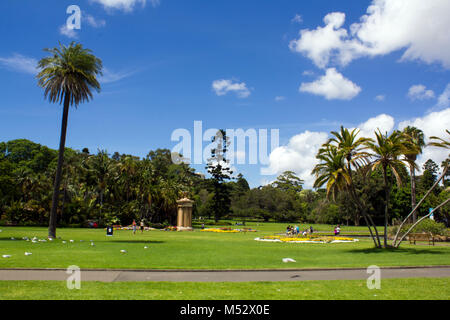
x: 201, y: 250
x: 391, y: 289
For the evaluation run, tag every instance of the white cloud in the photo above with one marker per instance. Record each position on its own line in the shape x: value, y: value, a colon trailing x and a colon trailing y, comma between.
x: 20, y: 63
x: 298, y: 156
x: 280, y: 98
x: 308, y: 73
x: 433, y: 124
x: 444, y: 98
x: 111, y: 76
x: 418, y: 27
x: 68, y: 32
x: 297, y: 19
x: 332, y: 85
x: 222, y: 87
x: 90, y: 20
x: 380, y: 97
x: 383, y: 122
x: 420, y: 92
x: 125, y: 5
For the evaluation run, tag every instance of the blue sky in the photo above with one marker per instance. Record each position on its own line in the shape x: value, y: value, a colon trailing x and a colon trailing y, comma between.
x: 162, y: 58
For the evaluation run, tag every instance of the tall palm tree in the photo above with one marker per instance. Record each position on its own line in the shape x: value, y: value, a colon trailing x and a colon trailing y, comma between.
x: 335, y: 170
x: 414, y: 140
x: 68, y: 76
x: 386, y: 151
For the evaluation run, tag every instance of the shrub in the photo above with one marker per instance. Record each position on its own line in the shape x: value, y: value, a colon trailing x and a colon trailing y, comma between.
x: 427, y: 226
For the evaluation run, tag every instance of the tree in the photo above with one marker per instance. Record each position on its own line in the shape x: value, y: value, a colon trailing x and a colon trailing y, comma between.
x: 68, y: 76
x: 288, y: 181
x: 386, y: 153
x: 430, y: 174
x: 218, y: 167
x: 339, y: 156
x: 414, y: 141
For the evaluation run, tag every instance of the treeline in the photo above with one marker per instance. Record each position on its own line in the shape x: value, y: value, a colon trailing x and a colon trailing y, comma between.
x: 117, y: 188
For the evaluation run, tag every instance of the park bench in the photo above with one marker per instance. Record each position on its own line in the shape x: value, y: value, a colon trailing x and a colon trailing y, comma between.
x: 413, y: 237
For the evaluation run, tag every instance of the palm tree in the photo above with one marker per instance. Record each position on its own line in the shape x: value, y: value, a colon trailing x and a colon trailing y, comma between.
x: 414, y: 141
x: 337, y: 157
x: 386, y: 153
x: 68, y: 77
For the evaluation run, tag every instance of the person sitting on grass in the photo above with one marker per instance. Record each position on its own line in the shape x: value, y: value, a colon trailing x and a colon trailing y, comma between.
x: 337, y: 230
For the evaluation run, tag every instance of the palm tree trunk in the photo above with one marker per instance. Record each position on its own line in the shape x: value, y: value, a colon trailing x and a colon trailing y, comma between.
x: 62, y: 144
x: 386, y: 208
x: 413, y: 192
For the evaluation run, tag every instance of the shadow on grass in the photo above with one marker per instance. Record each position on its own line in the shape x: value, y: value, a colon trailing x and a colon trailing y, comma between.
x: 136, y: 241
x: 400, y: 250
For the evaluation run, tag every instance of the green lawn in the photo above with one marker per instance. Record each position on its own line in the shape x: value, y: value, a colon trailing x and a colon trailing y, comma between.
x: 201, y: 250
x: 391, y: 289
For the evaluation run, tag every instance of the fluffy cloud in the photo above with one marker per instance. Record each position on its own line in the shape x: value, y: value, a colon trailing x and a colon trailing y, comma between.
x: 298, y: 156
x: 68, y: 32
x: 416, y: 26
x: 125, y: 5
x: 20, y: 63
x: 90, y: 20
x: 332, y: 85
x: 222, y: 87
x: 433, y: 124
x: 420, y: 92
x: 383, y: 122
x: 444, y: 98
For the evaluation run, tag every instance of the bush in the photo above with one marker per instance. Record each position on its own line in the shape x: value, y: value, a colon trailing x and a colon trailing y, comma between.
x: 426, y: 226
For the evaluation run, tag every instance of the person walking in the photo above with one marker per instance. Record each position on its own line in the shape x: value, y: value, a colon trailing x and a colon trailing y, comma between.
x: 142, y: 226
x: 134, y: 226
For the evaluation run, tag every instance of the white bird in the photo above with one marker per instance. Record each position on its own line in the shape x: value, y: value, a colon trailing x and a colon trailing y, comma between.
x: 92, y: 244
x: 13, y: 238
x: 71, y: 241
x: 64, y: 242
x: 6, y: 256
x: 123, y: 251
x: 145, y: 247
x: 28, y: 253
x: 50, y: 239
x: 286, y: 260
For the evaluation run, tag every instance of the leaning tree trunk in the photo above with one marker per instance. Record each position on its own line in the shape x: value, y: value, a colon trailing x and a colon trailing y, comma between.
x: 413, y: 192
x: 386, y: 208
x: 62, y: 144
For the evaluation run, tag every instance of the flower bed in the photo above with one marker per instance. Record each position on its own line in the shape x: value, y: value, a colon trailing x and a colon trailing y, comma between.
x: 308, y: 239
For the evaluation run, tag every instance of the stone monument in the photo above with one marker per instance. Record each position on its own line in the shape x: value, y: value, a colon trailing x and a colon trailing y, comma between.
x: 184, y: 220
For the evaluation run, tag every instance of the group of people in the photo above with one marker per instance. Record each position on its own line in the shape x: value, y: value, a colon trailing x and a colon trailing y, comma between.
x: 295, y: 230
x: 141, y: 226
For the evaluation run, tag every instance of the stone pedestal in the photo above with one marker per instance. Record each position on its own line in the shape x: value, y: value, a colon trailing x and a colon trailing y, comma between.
x: 184, y: 221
